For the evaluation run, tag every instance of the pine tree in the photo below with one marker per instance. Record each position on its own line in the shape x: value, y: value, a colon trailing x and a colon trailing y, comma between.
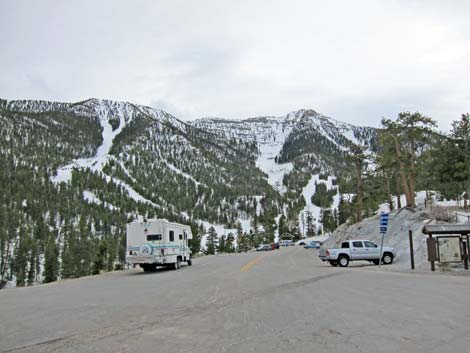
x: 328, y: 221
x: 407, y: 136
x: 309, y: 224
x: 221, y: 247
x: 51, y: 263
x: 21, y: 257
x: 344, y: 211
x: 68, y: 256
x: 243, y: 242
x: 212, y: 241
x: 229, y: 244
x: 450, y: 161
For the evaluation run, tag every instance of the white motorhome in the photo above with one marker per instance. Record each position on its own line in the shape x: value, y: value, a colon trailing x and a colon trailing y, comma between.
x: 157, y: 242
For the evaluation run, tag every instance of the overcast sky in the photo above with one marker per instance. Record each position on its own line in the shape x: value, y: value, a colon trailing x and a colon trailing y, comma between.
x: 355, y: 61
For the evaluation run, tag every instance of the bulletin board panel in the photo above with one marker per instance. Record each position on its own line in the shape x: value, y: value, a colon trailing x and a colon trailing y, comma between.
x: 449, y: 249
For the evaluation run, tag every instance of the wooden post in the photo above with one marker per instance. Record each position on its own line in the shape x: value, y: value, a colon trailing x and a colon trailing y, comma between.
x: 412, y: 255
x: 468, y: 246
x: 433, y: 267
x: 465, y: 256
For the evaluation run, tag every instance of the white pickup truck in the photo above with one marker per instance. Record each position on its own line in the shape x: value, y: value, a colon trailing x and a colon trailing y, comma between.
x: 355, y: 250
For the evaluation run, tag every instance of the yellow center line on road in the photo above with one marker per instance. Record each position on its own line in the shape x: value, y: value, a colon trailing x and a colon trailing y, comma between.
x: 250, y: 264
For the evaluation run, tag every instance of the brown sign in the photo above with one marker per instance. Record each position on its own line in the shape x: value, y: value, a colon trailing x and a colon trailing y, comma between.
x: 432, y: 250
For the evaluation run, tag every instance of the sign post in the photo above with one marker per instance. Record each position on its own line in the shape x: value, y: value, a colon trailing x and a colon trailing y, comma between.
x: 383, y: 230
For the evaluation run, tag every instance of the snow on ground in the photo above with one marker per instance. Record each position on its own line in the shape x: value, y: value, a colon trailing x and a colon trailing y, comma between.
x: 222, y: 230
x: 400, y: 222
x: 269, y: 148
x: 320, y: 238
x: 420, y: 198
x: 308, y: 192
x: 92, y: 198
x: 132, y: 193
x: 123, y: 167
x: 462, y: 217
x: 96, y: 163
x: 180, y: 172
x: 258, y: 204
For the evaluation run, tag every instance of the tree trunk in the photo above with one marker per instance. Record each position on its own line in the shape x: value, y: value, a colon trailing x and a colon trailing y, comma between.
x: 412, y: 177
x: 404, y: 181
x: 398, y: 192
x: 389, y: 195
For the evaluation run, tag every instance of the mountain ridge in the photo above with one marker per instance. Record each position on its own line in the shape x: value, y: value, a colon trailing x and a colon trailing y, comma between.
x: 119, y: 160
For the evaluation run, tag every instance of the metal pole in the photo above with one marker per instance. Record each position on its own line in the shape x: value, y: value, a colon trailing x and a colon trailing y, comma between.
x: 412, y: 254
x: 381, y: 249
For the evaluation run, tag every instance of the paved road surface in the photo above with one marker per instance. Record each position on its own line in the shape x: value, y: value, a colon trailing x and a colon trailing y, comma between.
x: 280, y: 301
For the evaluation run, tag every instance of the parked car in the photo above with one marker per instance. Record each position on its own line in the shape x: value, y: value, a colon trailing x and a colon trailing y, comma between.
x: 357, y: 250
x: 301, y: 243
x: 313, y: 245
x: 275, y: 246
x: 264, y: 247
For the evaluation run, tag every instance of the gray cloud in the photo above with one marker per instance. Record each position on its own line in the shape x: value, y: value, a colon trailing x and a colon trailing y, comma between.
x: 353, y: 61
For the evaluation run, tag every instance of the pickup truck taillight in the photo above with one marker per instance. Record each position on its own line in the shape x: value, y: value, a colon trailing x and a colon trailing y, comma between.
x: 327, y: 253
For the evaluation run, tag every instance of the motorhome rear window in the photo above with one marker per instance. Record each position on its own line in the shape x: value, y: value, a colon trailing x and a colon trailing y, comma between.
x: 172, y: 235
x: 153, y: 237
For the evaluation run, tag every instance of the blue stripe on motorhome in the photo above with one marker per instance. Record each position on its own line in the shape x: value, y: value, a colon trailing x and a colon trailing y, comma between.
x: 155, y: 247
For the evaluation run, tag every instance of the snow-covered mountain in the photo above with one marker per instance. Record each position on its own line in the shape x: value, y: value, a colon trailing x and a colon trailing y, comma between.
x: 302, y: 142
x: 96, y: 164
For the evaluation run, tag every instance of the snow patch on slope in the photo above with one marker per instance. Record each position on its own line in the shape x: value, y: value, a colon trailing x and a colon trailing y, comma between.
x: 105, y: 110
x: 269, y: 147
x: 96, y: 163
x: 92, y: 198
x: 221, y: 230
x: 307, y: 192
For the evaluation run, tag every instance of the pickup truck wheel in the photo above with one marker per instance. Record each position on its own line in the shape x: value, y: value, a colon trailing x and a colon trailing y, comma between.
x: 333, y: 263
x: 343, y: 261
x: 387, y: 259
x: 190, y: 262
x: 376, y: 262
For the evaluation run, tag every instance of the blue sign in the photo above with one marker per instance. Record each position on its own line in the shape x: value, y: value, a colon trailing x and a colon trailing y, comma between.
x: 383, y: 222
